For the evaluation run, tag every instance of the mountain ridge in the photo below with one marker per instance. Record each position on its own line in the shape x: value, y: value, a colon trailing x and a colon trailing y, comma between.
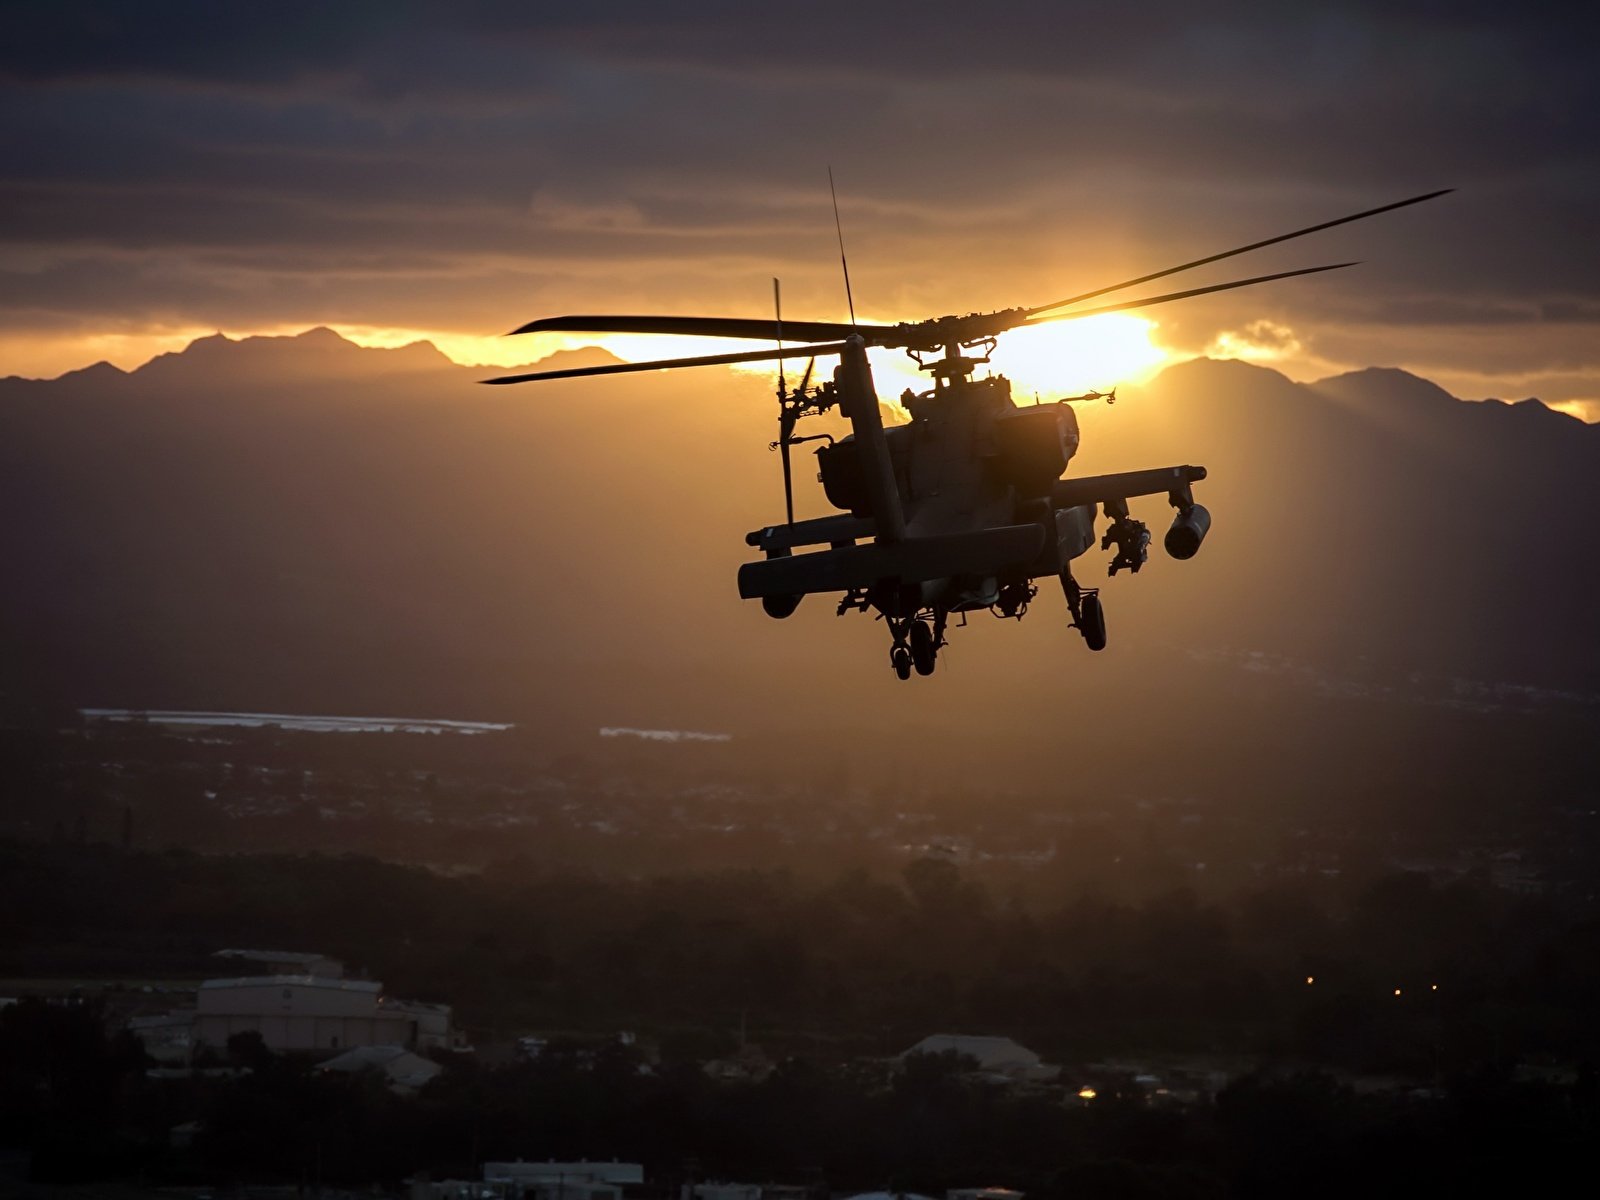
x: 422, y: 354
x: 318, y: 344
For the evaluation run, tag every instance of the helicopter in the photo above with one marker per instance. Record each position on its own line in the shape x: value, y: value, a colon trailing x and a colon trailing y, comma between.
x: 963, y: 507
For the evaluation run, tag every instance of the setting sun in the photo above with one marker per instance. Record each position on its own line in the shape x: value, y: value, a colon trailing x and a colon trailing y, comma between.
x: 1096, y: 353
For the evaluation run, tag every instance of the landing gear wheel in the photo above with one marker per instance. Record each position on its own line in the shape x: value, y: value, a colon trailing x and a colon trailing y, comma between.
x: 901, y: 660
x: 1092, y: 622
x: 924, y: 652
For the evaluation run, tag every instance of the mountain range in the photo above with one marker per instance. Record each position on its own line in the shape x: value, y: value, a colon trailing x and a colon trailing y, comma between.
x: 301, y: 524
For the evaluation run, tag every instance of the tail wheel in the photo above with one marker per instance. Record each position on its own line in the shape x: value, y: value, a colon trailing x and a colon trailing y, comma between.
x: 1093, y: 622
x: 901, y: 660
x: 923, y: 650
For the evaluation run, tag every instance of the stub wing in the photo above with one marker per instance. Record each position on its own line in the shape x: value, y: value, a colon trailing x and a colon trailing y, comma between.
x: 913, y: 560
x: 1098, y: 489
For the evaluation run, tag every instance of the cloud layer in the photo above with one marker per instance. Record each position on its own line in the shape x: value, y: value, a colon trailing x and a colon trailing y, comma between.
x: 459, y: 169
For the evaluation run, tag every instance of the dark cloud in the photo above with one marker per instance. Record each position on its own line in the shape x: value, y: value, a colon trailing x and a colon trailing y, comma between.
x: 445, y: 166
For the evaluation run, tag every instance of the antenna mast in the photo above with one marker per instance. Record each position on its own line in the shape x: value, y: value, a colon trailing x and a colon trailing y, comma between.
x: 786, y: 413
x: 843, y: 262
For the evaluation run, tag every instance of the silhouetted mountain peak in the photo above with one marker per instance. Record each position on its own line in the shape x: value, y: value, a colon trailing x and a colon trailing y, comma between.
x: 100, y: 372
x: 1221, y: 372
x: 1531, y: 408
x: 1383, y: 386
x: 571, y: 360
x: 319, y: 353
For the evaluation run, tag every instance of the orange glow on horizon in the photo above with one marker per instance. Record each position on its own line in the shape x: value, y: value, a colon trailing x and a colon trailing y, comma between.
x: 1584, y: 409
x: 1051, y: 360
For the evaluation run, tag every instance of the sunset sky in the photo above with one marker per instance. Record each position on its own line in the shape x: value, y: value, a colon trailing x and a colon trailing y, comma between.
x: 402, y: 171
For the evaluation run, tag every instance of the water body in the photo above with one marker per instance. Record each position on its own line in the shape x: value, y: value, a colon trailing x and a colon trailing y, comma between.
x: 296, y: 721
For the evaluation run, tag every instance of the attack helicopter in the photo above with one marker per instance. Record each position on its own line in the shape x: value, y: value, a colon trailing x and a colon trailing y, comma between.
x: 963, y: 507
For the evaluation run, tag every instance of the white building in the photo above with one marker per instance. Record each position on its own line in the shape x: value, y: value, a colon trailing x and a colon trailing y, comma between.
x: 999, y: 1057
x: 992, y: 1053
x: 434, y: 1030
x: 406, y: 1072
x: 299, y: 1012
x: 720, y: 1191
x: 582, y: 1180
x: 305, y: 1011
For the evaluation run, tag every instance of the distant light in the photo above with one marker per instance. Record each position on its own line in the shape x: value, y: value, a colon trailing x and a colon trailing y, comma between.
x: 1397, y: 991
x: 1433, y: 987
x: 1086, y: 1093
x: 1310, y: 979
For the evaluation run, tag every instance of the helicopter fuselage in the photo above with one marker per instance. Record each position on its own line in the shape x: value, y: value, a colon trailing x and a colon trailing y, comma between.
x: 971, y: 488
x: 968, y: 460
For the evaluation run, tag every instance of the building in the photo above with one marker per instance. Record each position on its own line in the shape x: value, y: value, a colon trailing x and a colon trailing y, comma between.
x: 992, y: 1053
x: 582, y: 1180
x: 300, y: 1012
x: 712, y: 1190
x: 434, y: 1024
x: 720, y: 1191
x: 534, y: 1181
x: 297, y: 1012
x: 999, y: 1057
x: 167, y: 1037
x: 405, y: 1072
x: 303, y: 1012
x: 423, y: 1188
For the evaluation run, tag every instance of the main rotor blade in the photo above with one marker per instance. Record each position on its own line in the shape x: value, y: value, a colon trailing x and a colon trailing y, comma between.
x: 1149, y: 300
x: 728, y: 327
x: 1200, y: 262
x: 668, y: 364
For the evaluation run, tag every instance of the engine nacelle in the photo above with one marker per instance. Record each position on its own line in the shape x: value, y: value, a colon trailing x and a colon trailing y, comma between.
x: 1189, y: 529
x: 779, y: 607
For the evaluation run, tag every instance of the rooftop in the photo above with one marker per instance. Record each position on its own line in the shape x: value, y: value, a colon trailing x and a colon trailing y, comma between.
x: 991, y: 1052
x: 316, y: 981
x: 272, y: 956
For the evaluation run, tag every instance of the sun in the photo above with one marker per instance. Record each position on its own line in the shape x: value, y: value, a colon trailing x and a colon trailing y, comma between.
x: 1071, y: 357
